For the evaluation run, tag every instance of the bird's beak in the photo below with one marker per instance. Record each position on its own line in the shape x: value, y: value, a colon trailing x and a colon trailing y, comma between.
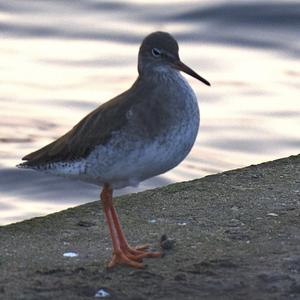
x: 177, y: 64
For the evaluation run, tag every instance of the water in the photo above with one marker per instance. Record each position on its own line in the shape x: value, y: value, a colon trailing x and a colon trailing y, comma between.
x: 61, y: 59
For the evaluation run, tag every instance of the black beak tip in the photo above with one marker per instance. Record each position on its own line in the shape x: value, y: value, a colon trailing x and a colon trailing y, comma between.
x: 206, y: 82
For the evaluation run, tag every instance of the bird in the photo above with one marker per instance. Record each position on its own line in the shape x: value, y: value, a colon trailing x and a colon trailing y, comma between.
x: 141, y: 133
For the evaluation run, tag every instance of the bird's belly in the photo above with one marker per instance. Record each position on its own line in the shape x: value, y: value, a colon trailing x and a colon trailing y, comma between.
x: 127, y: 160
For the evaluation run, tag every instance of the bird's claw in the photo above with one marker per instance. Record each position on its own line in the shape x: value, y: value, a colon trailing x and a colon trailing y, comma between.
x: 132, y: 257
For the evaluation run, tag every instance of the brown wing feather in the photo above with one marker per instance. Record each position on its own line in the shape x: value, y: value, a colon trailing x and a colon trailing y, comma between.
x: 94, y: 129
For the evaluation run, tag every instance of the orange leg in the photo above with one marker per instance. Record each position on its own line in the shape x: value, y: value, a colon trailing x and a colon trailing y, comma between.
x: 122, y: 252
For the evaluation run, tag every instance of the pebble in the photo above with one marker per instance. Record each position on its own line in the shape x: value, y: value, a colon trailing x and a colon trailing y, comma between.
x: 152, y: 221
x: 181, y: 223
x: 70, y: 254
x: 102, y: 294
x: 166, y: 243
x: 82, y: 223
x: 272, y: 215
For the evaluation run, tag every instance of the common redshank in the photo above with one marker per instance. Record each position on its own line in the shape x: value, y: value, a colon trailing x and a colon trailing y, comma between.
x: 143, y: 132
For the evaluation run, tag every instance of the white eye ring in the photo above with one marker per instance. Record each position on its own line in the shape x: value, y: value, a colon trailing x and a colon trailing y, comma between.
x: 155, y: 52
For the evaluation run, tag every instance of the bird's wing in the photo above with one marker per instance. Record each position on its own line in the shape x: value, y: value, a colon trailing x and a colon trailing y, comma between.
x: 94, y: 129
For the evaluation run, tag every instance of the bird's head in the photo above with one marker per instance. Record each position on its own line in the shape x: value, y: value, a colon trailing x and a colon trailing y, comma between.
x: 159, y: 51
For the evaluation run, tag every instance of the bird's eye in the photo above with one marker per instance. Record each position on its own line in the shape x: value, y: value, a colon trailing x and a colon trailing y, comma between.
x: 155, y: 52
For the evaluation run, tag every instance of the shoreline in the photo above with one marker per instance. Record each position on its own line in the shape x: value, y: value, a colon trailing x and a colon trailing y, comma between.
x: 236, y: 237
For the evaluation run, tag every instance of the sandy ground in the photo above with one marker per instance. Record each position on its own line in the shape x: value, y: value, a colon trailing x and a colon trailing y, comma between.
x: 236, y: 236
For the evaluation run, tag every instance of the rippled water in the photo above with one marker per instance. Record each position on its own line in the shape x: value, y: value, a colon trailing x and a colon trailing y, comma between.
x: 61, y: 59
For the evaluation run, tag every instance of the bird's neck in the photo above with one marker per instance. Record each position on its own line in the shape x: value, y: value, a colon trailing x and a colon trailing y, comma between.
x: 161, y: 74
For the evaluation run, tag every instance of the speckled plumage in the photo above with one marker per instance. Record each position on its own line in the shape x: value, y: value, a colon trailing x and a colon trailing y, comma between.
x: 141, y: 133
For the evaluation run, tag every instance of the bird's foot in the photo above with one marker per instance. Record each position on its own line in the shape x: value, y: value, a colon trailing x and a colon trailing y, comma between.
x: 132, y: 257
x: 141, y: 252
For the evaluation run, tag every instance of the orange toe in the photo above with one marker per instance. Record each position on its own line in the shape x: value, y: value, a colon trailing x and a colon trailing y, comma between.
x: 142, y: 247
x: 131, y: 257
x: 120, y: 258
x: 143, y: 254
x: 140, y: 251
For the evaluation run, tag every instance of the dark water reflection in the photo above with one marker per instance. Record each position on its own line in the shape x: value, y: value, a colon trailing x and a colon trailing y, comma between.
x: 61, y: 59
x: 271, y: 24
